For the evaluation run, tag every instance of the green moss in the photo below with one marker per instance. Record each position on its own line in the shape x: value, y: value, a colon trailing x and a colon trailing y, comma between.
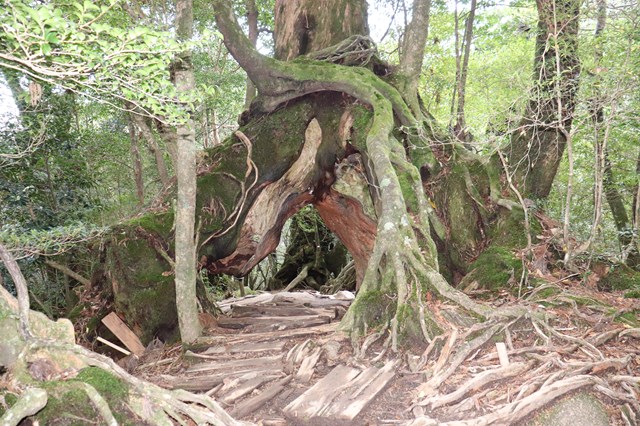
x: 509, y: 230
x: 630, y: 318
x: 620, y: 277
x: 157, y: 223
x: 7, y: 400
x: 373, y: 307
x: 108, y: 385
x: 633, y: 294
x: 67, y: 404
x: 493, y: 269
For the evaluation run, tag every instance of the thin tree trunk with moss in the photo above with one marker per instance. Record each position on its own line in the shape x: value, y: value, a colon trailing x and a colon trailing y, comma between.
x: 185, y: 269
x: 137, y: 163
x: 610, y: 184
x: 460, y: 127
x: 147, y: 134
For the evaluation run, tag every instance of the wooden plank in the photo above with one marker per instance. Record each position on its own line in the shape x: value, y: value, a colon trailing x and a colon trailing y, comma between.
x: 317, y: 398
x: 244, y: 389
x: 124, y: 333
x: 279, y: 310
x: 274, y: 323
x: 307, y: 367
x: 266, y: 336
x: 216, y: 352
x: 361, y: 392
x: 250, y: 405
x: 272, y: 363
x: 503, y: 356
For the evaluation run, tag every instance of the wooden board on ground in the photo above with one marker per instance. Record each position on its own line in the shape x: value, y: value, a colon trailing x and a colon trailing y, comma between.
x: 124, y: 333
x: 268, y: 335
x: 263, y: 363
x: 250, y: 405
x: 271, y: 310
x: 259, y: 324
x: 342, y: 394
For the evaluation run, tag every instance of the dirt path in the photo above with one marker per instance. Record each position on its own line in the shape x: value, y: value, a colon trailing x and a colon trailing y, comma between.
x: 277, y: 359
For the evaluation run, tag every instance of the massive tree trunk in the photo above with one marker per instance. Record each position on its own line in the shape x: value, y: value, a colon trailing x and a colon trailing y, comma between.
x: 539, y: 142
x: 395, y: 255
x: 339, y: 129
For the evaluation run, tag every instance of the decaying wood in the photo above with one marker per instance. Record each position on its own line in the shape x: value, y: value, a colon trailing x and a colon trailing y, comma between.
x: 67, y: 271
x: 306, y: 369
x: 124, y: 333
x: 342, y: 394
x: 271, y: 363
x: 252, y: 404
x: 262, y: 324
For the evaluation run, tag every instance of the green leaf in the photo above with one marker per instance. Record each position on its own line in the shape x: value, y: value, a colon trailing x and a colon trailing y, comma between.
x: 51, y: 37
x: 46, y: 48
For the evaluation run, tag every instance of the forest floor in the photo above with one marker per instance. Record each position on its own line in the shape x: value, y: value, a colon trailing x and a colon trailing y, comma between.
x: 278, y: 359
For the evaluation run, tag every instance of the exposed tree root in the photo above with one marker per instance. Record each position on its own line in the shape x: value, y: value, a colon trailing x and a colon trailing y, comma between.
x: 41, y: 342
x: 538, y: 375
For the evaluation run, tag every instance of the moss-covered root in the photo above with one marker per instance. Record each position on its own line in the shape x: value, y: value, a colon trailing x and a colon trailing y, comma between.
x: 31, y: 401
x: 152, y: 404
x: 403, y: 265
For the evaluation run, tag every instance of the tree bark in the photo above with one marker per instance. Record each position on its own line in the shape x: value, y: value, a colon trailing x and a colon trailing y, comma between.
x: 538, y: 144
x: 395, y: 281
x: 460, y: 126
x: 185, y: 269
x: 148, y: 135
x: 137, y: 163
x: 252, y: 23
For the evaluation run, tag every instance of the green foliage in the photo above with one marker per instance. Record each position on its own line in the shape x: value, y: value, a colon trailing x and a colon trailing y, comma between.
x: 93, y: 48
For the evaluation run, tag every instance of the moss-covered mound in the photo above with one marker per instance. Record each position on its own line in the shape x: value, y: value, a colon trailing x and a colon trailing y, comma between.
x: 495, y: 269
x: 621, y: 277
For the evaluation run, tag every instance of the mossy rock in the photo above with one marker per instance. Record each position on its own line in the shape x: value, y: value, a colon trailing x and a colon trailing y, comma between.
x: 509, y: 230
x: 579, y: 409
x: 142, y: 283
x: 493, y: 270
x: 620, y: 277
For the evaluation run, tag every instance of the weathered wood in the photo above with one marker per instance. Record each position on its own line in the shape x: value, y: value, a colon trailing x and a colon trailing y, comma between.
x: 343, y: 393
x: 252, y: 404
x: 319, y: 396
x: 307, y: 367
x: 215, y: 352
x: 503, y: 356
x: 244, y: 388
x: 239, y: 311
x: 361, y: 392
x: 113, y: 345
x: 271, y: 363
x: 268, y: 336
x: 124, y: 333
x: 274, y: 323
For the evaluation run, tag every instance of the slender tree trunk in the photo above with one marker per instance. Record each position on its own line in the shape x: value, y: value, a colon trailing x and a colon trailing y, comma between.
x: 148, y: 135
x: 137, y: 162
x: 460, y: 126
x: 624, y: 226
x: 252, y: 23
x: 185, y: 266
